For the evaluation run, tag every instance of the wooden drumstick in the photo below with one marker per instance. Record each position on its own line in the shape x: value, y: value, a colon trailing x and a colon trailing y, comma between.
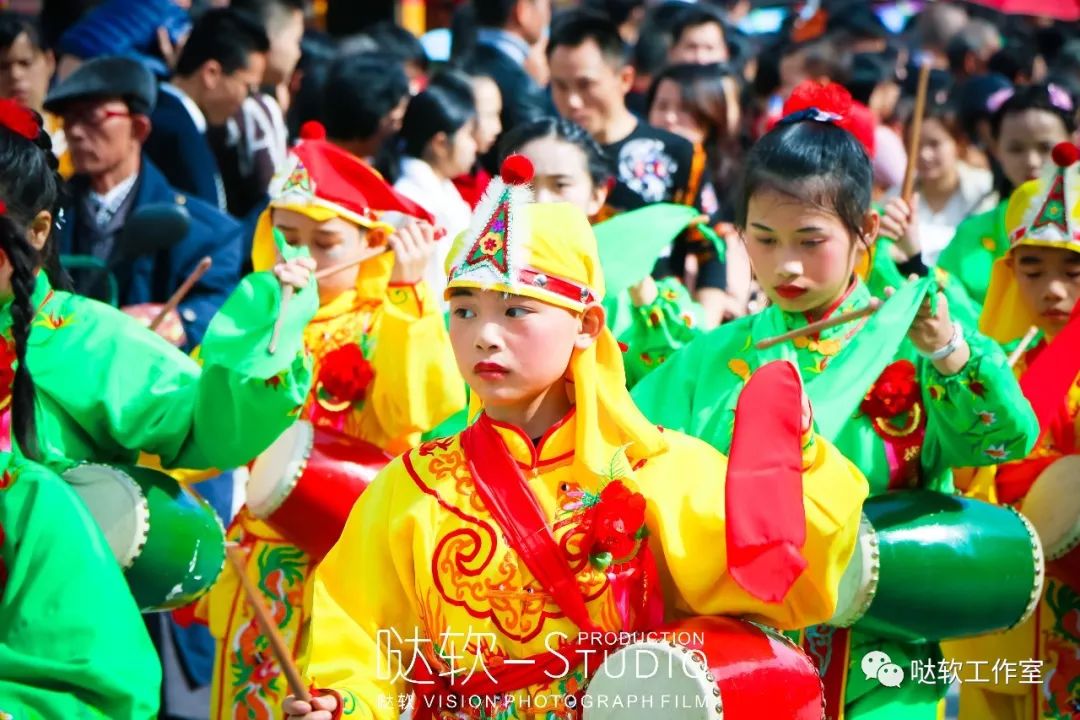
x: 916, y: 132
x: 182, y: 291
x: 1025, y: 343
x: 440, y: 233
x: 286, y: 296
x: 266, y: 623
x: 816, y: 327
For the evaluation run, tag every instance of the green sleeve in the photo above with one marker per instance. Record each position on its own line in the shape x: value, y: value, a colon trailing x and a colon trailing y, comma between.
x: 657, y: 330
x: 696, y: 389
x: 110, y: 389
x: 978, y: 416
x: 969, y: 257
x: 72, y: 642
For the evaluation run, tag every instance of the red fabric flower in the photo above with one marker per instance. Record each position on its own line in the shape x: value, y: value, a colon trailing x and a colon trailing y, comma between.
x: 345, y: 373
x: 18, y: 119
x: 894, y: 393
x: 616, y: 519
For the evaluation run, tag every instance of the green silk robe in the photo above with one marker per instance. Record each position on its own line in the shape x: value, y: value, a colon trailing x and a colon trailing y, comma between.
x: 976, y: 417
x: 108, y: 389
x: 72, y: 642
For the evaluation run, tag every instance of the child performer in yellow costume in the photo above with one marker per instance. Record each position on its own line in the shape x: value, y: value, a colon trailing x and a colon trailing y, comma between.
x: 384, y: 373
x: 500, y: 543
x: 1037, y: 285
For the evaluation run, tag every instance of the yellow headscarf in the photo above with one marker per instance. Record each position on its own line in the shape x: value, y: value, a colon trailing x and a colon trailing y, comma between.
x: 1042, y: 213
x: 547, y: 251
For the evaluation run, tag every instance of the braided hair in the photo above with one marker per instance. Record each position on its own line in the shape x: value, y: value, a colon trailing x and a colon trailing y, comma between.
x: 29, y: 185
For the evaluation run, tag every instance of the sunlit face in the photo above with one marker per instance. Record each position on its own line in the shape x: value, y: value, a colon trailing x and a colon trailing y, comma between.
x: 461, y: 155
x: 1025, y: 141
x: 1049, y: 283
x: 586, y: 88
x: 226, y: 93
x: 938, y: 152
x: 561, y: 174
x: 495, y: 337
x: 803, y: 256
x: 668, y: 113
x: 330, y: 243
x: 25, y: 72
x: 284, y: 48
x: 488, y: 112
x: 700, y: 44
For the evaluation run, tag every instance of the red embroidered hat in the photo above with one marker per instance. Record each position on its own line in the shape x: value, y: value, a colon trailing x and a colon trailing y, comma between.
x: 320, y: 175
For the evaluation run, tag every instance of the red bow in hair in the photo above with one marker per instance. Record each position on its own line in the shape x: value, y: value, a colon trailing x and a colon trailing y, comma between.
x: 19, y: 119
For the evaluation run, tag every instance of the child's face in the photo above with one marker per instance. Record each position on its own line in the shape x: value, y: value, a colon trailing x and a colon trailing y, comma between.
x: 509, y: 348
x: 803, y: 256
x: 1025, y: 141
x: 330, y: 243
x: 561, y: 174
x: 1049, y: 282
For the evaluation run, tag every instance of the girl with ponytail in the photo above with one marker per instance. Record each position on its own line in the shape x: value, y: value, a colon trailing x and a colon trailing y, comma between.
x: 84, y: 382
x: 72, y: 641
x: 897, y: 392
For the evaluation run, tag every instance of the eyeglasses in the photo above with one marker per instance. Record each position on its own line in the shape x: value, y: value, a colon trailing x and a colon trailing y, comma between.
x: 92, y: 117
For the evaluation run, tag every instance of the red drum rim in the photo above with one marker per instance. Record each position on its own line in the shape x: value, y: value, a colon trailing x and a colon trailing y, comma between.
x: 860, y: 579
x: 126, y: 544
x: 280, y: 454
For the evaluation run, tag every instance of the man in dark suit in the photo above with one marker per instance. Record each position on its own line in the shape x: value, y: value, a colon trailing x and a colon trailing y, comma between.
x: 105, y: 105
x: 222, y: 63
x: 506, y: 32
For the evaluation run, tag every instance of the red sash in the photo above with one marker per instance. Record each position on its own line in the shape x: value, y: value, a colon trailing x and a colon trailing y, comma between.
x: 1052, y: 374
x: 502, y: 486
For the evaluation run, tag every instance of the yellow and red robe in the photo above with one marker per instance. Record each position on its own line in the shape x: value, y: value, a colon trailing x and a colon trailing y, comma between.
x: 423, y: 566
x: 415, y: 385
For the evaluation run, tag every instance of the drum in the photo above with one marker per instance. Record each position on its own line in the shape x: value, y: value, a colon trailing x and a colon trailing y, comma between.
x: 305, y: 484
x: 170, y: 543
x: 705, y: 669
x: 930, y: 567
x: 1053, y: 507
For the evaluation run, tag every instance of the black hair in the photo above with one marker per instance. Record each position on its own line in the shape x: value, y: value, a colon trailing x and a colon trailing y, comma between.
x: 493, y: 13
x: 801, y: 160
x: 226, y: 35
x: 598, y: 163
x: 971, y: 39
x: 618, y: 11
x: 575, y: 28
x: 650, y: 52
x: 1033, y: 97
x: 29, y: 184
x: 695, y: 16
x: 13, y: 24
x: 445, y: 106
x: 1015, y: 61
x: 463, y: 33
x: 395, y: 40
x: 360, y: 91
x: 868, y: 72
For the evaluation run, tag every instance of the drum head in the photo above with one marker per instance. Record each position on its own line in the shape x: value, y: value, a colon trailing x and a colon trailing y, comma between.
x: 1053, y: 506
x: 648, y: 680
x: 117, y: 504
x: 860, y: 580
x: 277, y: 470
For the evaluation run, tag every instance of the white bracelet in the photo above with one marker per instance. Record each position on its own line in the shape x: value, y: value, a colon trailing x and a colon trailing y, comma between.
x: 950, y: 347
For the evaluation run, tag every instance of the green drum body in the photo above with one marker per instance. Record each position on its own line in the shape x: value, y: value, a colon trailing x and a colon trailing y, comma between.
x: 170, y: 543
x: 931, y: 567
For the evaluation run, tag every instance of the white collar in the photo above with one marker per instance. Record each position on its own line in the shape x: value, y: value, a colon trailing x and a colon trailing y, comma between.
x: 115, y: 197
x: 190, y: 105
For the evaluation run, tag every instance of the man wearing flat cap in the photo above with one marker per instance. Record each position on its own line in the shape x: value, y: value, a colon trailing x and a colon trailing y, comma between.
x: 105, y: 105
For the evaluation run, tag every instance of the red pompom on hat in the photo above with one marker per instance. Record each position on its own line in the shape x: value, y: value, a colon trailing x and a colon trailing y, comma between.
x: 312, y: 130
x: 1065, y: 154
x: 517, y: 170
